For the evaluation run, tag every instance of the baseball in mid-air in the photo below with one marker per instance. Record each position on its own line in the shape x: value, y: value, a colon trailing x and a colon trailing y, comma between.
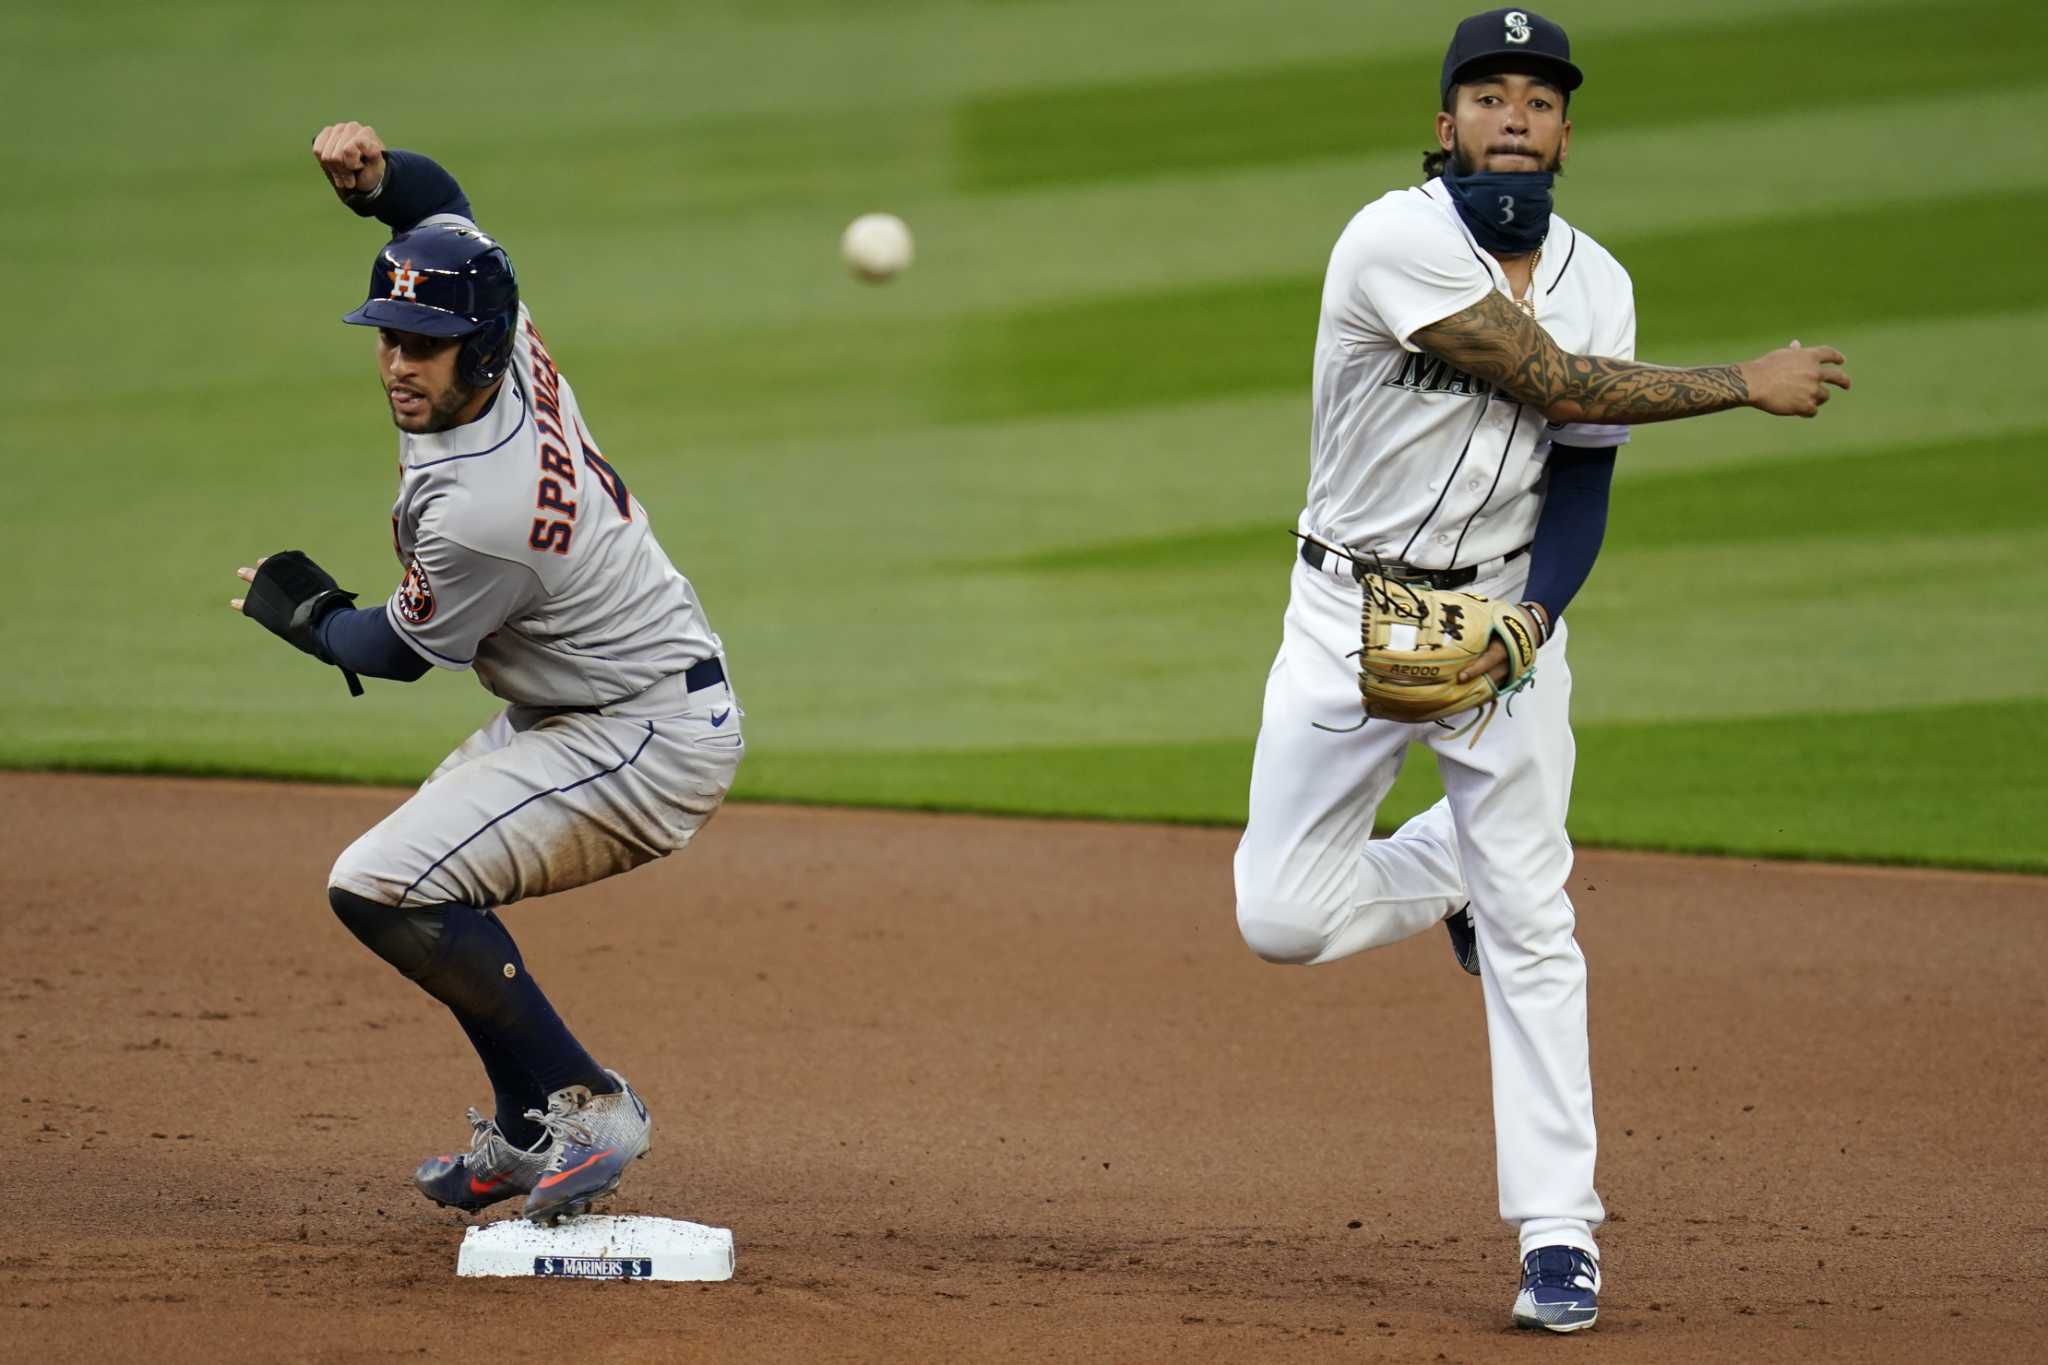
x: 876, y: 246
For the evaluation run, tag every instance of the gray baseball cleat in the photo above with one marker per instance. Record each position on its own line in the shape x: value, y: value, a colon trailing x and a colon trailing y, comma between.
x: 593, y: 1139
x: 1464, y: 938
x: 491, y: 1170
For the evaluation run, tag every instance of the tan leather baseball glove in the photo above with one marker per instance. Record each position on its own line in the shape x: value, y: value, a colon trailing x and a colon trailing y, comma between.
x: 1414, y: 641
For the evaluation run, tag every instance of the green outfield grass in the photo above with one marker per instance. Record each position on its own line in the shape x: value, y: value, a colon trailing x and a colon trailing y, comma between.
x: 1011, y: 533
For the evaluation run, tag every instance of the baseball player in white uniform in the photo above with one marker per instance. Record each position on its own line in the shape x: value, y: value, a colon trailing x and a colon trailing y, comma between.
x: 1473, y: 379
x: 527, y: 560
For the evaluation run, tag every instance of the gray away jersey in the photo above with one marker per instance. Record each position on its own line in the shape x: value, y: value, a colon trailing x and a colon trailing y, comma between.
x: 527, y: 559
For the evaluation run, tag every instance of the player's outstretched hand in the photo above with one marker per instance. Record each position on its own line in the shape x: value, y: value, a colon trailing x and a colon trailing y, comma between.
x: 1793, y: 381
x: 351, y: 155
x: 247, y: 575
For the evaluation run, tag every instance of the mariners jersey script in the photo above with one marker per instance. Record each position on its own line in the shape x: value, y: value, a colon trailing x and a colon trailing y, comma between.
x: 1408, y: 455
x: 526, y: 557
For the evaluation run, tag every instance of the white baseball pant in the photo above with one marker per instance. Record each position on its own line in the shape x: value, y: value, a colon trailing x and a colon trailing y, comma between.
x: 1313, y: 887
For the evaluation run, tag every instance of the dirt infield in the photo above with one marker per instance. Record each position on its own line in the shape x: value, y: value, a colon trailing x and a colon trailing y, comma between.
x: 980, y: 1089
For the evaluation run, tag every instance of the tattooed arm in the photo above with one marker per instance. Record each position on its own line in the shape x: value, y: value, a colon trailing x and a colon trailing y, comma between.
x: 1498, y: 342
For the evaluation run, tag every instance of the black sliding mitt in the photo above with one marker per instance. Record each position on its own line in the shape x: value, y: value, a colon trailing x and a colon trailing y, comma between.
x: 289, y: 596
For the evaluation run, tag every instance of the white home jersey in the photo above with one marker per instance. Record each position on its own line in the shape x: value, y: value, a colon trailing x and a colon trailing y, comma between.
x: 527, y: 559
x: 1408, y: 456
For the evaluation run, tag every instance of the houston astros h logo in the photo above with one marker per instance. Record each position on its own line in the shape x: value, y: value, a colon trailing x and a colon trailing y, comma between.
x: 1518, y: 26
x: 403, y: 278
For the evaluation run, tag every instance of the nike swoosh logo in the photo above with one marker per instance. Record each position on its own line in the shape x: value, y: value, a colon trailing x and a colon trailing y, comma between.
x: 484, y: 1186
x: 548, y: 1181
x: 718, y: 718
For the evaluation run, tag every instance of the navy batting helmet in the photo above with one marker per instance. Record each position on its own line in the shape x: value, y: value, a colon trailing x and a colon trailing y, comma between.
x: 447, y: 280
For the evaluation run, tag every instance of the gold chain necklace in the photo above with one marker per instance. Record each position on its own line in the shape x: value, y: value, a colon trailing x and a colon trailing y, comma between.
x: 1527, y: 303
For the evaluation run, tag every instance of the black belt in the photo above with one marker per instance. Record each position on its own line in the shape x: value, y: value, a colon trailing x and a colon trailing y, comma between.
x: 698, y: 676
x: 1443, y: 580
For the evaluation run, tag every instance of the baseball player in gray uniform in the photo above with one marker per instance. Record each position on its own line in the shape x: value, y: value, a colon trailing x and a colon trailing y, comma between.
x: 1474, y: 376
x: 527, y: 560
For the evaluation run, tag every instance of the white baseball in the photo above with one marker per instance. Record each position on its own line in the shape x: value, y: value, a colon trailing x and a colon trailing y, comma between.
x: 876, y: 246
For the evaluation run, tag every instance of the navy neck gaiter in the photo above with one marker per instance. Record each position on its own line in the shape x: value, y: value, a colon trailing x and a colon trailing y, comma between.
x: 1508, y: 211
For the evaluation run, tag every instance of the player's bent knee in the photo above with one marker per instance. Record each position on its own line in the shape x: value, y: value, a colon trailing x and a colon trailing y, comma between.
x: 369, y: 868
x: 404, y: 938
x: 1279, y: 939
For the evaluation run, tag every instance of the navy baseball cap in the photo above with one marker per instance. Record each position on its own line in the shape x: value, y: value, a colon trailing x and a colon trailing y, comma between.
x: 1511, y: 40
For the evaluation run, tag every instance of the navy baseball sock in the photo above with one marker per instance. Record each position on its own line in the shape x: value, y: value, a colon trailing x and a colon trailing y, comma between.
x: 465, y: 959
x: 477, y: 972
x: 512, y: 1085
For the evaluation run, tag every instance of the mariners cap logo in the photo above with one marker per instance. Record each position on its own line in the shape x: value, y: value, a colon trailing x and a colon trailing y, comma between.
x: 403, y: 280
x: 1518, y: 26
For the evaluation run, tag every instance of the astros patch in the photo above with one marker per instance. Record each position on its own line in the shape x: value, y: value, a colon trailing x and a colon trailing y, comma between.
x: 415, y: 595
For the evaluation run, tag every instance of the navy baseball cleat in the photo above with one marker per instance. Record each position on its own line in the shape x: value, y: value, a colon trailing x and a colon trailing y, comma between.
x: 594, y: 1138
x: 1464, y: 938
x: 490, y: 1171
x: 1560, y: 1290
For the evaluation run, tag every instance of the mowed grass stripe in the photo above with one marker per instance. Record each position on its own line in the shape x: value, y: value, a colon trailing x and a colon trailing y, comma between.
x: 1167, y: 347
x: 1789, y: 273
x: 1993, y: 484
x: 1756, y: 628
x: 1778, y: 786
x: 1917, y: 380
x: 619, y: 69
x: 1173, y: 346
x: 696, y: 274
x: 1373, y: 102
x: 999, y: 492
x: 1161, y: 656
x: 1779, y: 781
x: 1960, y: 786
x: 1980, y: 487
x: 660, y: 297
